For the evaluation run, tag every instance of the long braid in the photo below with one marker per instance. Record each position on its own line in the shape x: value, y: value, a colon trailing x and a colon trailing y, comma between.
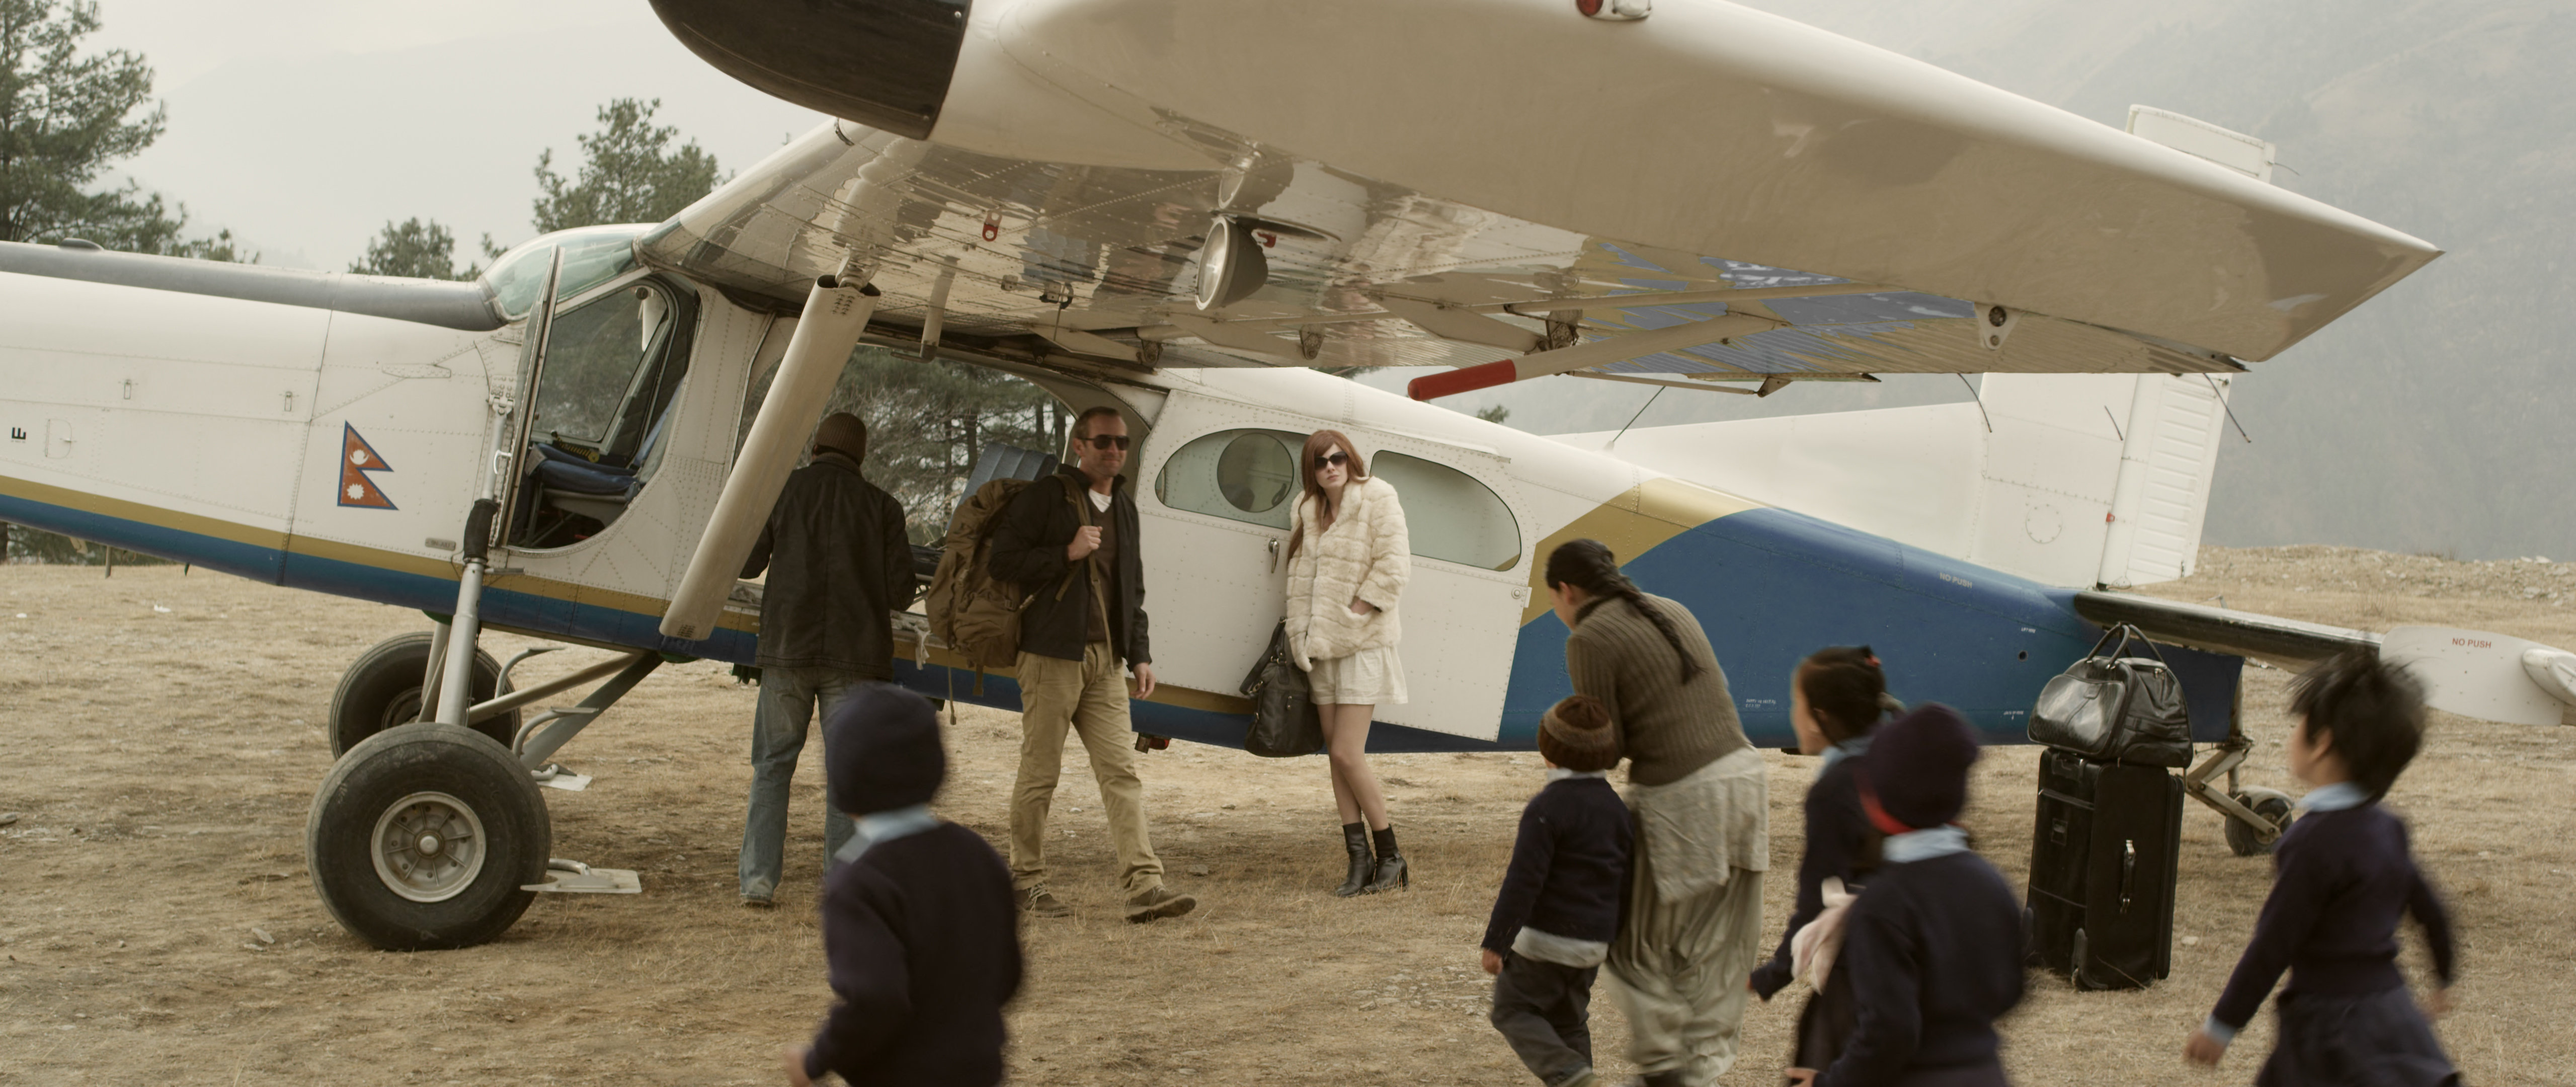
x: 1588, y: 565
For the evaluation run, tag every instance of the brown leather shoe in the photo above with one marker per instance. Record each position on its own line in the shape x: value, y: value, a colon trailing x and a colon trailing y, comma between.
x: 1039, y: 902
x: 1158, y: 902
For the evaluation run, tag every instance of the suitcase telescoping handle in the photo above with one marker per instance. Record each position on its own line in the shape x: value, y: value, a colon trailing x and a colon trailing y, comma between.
x: 2128, y: 871
x: 2128, y: 633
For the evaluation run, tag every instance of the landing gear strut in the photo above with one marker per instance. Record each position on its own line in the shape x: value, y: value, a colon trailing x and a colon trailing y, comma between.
x: 2255, y: 816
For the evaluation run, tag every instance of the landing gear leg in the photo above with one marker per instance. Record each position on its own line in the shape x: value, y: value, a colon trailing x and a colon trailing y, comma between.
x: 2256, y: 816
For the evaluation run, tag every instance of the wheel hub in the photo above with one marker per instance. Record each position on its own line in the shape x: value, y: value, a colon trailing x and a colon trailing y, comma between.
x: 428, y: 847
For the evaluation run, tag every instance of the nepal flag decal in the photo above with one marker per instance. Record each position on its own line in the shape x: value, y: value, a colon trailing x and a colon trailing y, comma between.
x: 357, y: 458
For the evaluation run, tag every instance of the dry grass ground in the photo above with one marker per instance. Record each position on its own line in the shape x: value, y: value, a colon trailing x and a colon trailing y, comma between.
x: 158, y: 925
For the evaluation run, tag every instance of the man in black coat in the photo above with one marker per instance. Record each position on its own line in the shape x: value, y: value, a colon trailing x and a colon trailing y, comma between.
x: 1071, y: 539
x: 839, y: 564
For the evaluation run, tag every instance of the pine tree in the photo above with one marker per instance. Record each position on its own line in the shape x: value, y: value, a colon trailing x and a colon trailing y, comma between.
x: 416, y: 249
x: 65, y: 118
x: 629, y: 173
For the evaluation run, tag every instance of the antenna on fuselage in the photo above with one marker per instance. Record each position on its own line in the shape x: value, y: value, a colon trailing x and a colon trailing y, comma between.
x: 1613, y: 443
x: 1981, y: 403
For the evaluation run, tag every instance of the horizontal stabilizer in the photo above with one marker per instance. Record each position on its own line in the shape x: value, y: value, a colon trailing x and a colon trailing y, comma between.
x: 2476, y: 674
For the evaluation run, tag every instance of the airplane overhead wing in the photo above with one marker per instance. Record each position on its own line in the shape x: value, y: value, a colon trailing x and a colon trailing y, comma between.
x: 1712, y: 193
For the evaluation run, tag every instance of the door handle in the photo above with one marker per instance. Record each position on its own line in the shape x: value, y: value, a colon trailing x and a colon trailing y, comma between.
x: 1274, y: 556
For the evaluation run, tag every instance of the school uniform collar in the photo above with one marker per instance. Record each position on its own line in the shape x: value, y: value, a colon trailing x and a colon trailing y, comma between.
x: 2335, y: 797
x: 1923, y: 845
x: 879, y: 827
x: 1559, y: 773
x: 1851, y: 748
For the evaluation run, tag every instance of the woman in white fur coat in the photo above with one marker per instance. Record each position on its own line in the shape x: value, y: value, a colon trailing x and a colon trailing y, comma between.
x: 1348, y: 560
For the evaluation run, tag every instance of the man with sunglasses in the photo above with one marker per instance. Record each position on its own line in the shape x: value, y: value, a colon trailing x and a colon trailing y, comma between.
x: 1071, y: 541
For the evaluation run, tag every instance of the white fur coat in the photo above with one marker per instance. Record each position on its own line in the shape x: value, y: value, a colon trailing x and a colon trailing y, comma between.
x: 1364, y: 554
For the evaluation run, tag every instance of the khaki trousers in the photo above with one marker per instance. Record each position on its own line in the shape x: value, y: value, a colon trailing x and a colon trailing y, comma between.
x: 1678, y: 970
x: 1089, y: 697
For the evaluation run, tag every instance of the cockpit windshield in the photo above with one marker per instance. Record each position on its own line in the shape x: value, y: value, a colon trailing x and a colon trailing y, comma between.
x: 592, y: 255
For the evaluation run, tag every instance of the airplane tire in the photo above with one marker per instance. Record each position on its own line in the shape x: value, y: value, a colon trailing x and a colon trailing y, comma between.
x: 382, y: 690
x: 2271, y: 804
x: 422, y: 835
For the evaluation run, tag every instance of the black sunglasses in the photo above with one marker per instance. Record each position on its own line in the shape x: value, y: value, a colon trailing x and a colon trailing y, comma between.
x: 1108, y: 441
x: 1333, y: 459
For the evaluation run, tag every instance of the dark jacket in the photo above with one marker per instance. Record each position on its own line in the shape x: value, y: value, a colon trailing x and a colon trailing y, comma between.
x: 839, y: 565
x: 923, y: 940
x: 1028, y: 550
x: 1934, y: 954
x: 2341, y: 879
x: 1840, y: 843
x: 1569, y: 867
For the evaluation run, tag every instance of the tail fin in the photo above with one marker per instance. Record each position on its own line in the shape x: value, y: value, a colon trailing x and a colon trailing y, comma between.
x: 2066, y: 479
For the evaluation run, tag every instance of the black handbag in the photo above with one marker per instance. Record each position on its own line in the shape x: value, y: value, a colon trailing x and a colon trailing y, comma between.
x: 1283, y: 706
x: 2110, y: 707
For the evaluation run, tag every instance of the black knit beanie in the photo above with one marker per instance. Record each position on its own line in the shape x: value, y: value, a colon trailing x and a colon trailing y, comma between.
x: 881, y: 750
x: 1917, y: 769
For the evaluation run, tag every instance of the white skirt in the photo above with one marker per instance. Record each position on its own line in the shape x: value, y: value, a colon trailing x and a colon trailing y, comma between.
x: 1370, y: 677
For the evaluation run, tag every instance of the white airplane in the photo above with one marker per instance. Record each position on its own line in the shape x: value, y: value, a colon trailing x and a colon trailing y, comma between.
x: 1178, y: 209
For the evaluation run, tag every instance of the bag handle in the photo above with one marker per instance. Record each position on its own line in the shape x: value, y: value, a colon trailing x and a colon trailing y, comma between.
x: 2128, y: 632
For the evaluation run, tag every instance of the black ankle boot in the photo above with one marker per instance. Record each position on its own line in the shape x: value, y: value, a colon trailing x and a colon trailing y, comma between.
x: 1355, y: 838
x: 1391, y: 874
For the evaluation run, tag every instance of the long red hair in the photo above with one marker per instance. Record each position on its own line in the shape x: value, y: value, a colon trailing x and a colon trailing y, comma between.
x: 1318, y: 444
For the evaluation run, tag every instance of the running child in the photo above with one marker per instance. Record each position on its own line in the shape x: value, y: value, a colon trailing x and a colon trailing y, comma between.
x: 1836, y: 698
x: 1560, y: 903
x: 2342, y: 875
x: 919, y: 924
x: 1934, y: 946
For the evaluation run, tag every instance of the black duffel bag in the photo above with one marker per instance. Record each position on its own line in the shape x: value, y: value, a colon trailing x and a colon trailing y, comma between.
x: 2115, y: 708
x: 1283, y: 706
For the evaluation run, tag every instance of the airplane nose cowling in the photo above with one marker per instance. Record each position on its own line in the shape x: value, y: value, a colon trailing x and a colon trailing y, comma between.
x: 882, y: 63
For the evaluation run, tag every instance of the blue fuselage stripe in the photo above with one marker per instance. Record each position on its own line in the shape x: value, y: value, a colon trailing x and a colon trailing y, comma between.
x: 1767, y: 585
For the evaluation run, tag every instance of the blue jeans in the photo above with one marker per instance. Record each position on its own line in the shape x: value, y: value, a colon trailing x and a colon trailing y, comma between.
x: 789, y: 698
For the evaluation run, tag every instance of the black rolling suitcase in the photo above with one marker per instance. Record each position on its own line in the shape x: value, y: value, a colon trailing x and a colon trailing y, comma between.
x: 2102, y: 870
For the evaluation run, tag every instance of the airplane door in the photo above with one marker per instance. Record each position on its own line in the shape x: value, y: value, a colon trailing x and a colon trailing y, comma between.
x: 1223, y: 483
x: 511, y: 441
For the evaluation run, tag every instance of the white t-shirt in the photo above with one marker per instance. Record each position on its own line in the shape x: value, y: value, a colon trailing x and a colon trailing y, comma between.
x: 1099, y: 501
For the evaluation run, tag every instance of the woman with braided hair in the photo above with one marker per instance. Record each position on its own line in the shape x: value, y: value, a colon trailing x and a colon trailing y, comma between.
x: 1697, y: 791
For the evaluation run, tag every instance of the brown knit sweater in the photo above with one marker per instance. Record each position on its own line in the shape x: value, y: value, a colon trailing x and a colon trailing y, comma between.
x: 1667, y: 728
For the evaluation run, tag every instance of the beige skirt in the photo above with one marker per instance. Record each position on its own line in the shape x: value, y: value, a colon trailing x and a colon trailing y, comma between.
x: 1370, y: 677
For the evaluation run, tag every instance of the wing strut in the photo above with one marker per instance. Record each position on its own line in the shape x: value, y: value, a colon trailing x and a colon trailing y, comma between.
x: 836, y: 312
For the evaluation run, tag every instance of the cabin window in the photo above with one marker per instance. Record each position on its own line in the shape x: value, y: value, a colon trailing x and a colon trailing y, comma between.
x: 1240, y: 475
x: 592, y: 256
x: 1449, y: 515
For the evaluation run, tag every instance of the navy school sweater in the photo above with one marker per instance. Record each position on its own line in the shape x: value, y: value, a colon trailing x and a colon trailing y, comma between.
x: 1569, y: 870
x: 1838, y: 840
x: 923, y: 940
x: 1933, y: 948
x: 2341, y: 878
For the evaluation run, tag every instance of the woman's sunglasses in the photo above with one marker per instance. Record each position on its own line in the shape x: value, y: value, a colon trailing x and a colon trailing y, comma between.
x: 1108, y: 441
x: 1334, y: 459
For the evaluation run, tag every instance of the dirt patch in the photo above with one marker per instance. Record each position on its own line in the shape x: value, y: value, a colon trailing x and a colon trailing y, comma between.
x: 158, y: 925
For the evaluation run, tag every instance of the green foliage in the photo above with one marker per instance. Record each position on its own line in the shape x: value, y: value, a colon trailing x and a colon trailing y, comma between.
x: 927, y: 421
x: 629, y: 173
x: 1493, y: 413
x: 414, y: 249
x: 64, y: 118
x: 36, y: 545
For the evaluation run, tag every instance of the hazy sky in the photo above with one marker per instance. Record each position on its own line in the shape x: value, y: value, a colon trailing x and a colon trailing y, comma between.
x: 306, y: 126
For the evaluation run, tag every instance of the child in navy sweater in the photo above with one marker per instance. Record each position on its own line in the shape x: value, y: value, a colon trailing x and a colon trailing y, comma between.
x: 1836, y: 698
x: 2342, y: 875
x: 1560, y: 903
x: 919, y: 925
x: 1933, y: 946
